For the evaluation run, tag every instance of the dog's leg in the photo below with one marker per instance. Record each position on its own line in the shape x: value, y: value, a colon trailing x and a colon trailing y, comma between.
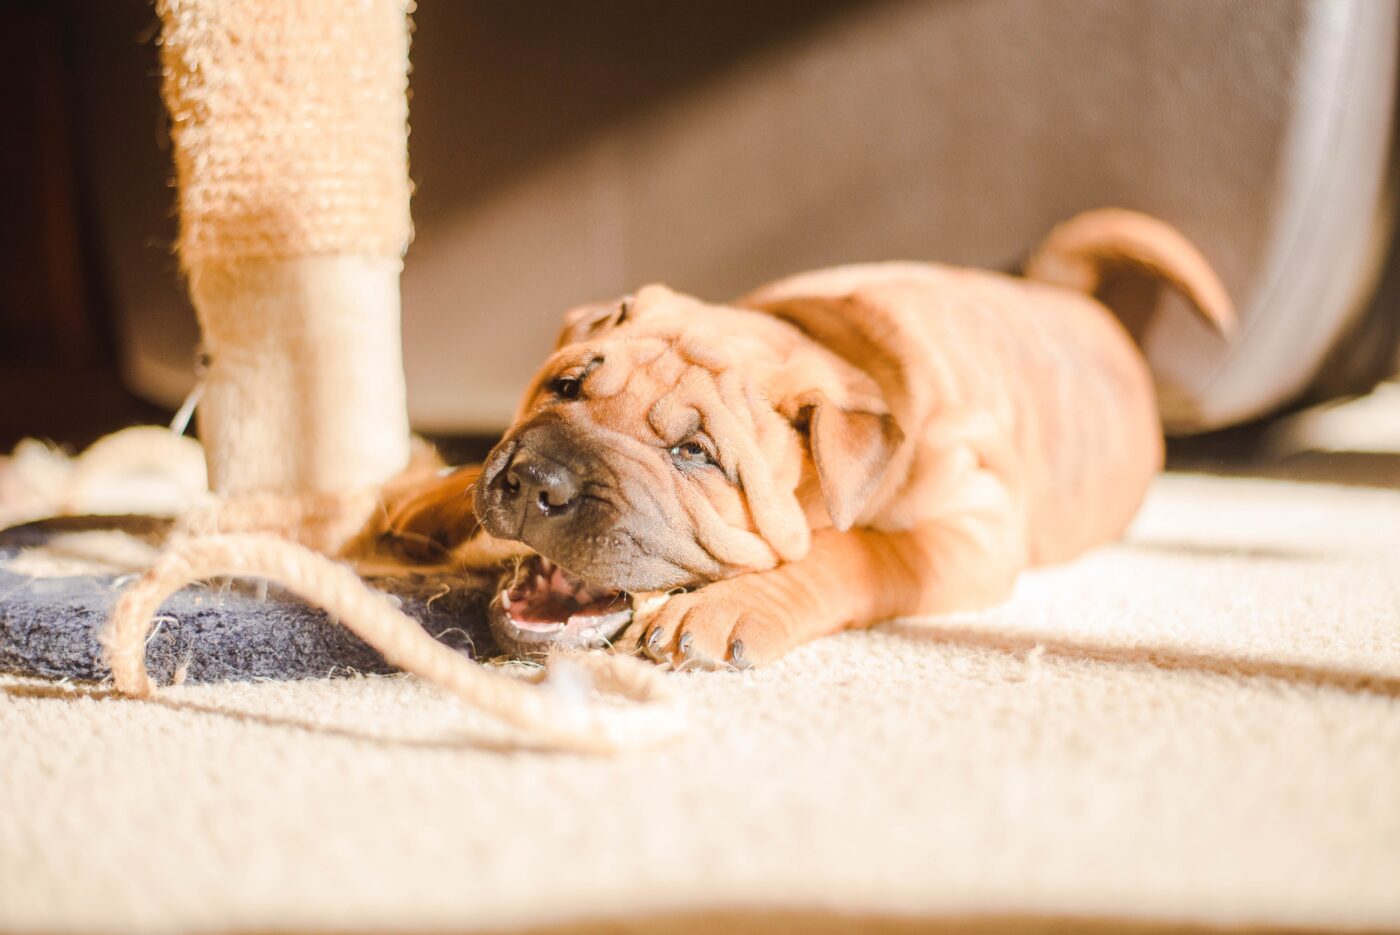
x: 848, y: 579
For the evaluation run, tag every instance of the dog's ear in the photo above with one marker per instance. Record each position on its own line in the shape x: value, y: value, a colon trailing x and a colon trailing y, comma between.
x: 851, y: 448
x: 586, y: 321
x: 427, y: 519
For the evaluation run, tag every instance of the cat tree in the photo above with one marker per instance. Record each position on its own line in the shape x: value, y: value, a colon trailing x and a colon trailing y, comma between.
x: 289, y: 122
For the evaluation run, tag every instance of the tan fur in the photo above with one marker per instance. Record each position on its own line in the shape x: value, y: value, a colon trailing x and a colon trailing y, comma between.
x: 889, y: 439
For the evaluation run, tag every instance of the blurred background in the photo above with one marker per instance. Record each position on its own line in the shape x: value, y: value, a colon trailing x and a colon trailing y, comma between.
x: 567, y: 151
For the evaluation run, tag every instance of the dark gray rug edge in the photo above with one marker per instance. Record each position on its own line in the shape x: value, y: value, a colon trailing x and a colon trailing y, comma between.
x: 217, y: 631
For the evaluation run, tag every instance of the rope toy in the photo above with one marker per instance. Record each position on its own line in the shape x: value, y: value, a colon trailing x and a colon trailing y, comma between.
x: 555, y: 714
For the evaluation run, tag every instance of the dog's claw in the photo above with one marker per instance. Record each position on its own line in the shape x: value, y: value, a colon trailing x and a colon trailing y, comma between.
x: 736, y: 655
x: 686, y: 644
x: 653, y: 643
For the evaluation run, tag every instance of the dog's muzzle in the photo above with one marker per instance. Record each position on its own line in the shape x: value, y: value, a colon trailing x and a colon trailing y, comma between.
x: 550, y: 487
x: 532, y: 487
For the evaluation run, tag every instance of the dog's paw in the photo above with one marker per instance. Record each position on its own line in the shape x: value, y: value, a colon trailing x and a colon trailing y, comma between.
x: 726, y: 623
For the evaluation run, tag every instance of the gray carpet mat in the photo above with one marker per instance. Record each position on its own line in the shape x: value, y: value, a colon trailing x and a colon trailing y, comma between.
x: 217, y: 632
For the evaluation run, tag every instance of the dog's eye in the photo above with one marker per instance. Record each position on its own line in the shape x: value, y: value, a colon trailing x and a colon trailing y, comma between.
x: 566, y: 387
x: 692, y: 453
x: 569, y: 385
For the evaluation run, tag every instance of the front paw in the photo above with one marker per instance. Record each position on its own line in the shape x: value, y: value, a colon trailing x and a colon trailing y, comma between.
x: 729, y: 622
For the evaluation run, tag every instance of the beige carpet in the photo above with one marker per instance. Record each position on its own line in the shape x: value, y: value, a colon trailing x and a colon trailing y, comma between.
x: 1198, y: 726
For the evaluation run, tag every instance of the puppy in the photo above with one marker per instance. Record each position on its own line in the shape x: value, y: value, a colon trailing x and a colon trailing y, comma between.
x: 840, y: 447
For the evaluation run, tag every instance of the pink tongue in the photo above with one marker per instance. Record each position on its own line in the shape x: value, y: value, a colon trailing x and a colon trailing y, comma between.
x: 547, y: 608
x: 555, y: 599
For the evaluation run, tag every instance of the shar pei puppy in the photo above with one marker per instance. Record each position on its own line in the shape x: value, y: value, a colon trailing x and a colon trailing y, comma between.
x: 834, y: 449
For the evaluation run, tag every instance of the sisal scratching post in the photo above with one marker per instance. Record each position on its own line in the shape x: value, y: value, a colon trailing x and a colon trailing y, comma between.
x: 289, y: 119
x: 290, y: 125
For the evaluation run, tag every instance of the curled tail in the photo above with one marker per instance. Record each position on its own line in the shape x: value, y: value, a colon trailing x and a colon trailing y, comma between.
x: 1077, y: 251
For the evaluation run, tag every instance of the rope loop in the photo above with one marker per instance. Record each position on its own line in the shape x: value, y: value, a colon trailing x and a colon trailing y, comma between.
x: 588, y: 702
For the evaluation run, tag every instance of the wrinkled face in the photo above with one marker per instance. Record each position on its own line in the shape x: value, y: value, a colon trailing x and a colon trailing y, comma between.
x: 649, y: 453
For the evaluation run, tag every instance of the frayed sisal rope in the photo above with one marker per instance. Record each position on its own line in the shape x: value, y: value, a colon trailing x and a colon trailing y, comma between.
x: 554, y: 715
x: 143, y: 469
x: 154, y: 471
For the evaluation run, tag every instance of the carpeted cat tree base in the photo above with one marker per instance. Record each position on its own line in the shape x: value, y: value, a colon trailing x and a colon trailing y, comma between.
x: 227, y: 631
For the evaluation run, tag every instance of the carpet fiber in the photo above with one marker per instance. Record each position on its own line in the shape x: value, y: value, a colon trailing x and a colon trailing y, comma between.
x: 1198, y: 726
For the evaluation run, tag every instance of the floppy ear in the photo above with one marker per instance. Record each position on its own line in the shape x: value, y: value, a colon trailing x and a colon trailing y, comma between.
x: 427, y: 519
x: 851, y: 450
x: 584, y: 322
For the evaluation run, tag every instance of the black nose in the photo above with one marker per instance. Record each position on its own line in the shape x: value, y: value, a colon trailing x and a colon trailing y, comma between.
x: 542, y: 483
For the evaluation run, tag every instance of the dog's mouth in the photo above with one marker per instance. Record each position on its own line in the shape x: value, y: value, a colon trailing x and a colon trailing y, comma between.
x: 540, y: 605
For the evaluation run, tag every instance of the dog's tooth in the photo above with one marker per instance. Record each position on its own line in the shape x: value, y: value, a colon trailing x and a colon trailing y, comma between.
x: 505, y: 600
